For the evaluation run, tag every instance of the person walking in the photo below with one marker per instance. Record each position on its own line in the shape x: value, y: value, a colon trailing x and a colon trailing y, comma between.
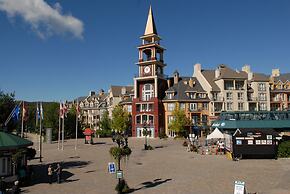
x: 50, y: 173
x: 58, y: 173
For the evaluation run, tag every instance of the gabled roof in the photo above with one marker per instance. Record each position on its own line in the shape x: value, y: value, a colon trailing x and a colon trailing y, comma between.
x: 150, y: 25
x: 180, y: 89
x: 10, y: 141
x: 117, y: 90
x: 210, y: 77
x: 260, y: 77
x: 283, y: 77
x: 228, y: 73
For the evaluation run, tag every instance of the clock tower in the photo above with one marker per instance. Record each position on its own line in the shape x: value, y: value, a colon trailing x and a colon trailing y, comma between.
x: 150, y: 84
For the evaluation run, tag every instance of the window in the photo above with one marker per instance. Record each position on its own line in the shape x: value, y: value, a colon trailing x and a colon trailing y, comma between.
x: 204, y: 118
x: 170, y: 106
x: 240, y: 96
x: 202, y: 95
x: 239, y: 85
x: 144, y: 107
x: 192, y: 95
x: 193, y: 106
x: 182, y: 106
x: 138, y: 119
x: 3, y: 165
x: 151, y: 119
x: 229, y: 106
x: 263, y: 106
x: 147, y: 92
x: 144, y: 118
x: 229, y: 96
x: 261, y: 87
x: 262, y: 96
x: 138, y: 107
x: 150, y: 107
x: 240, y: 106
x: 229, y: 85
x: 170, y: 119
x: 170, y: 95
x: 205, y: 106
x: 129, y: 108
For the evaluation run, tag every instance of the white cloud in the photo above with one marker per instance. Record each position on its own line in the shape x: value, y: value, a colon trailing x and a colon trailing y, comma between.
x: 44, y: 19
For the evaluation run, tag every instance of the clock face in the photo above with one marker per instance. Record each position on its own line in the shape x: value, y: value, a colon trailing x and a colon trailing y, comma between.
x: 147, y: 69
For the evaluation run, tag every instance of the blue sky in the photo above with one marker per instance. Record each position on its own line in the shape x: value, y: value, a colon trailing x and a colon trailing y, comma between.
x: 88, y: 45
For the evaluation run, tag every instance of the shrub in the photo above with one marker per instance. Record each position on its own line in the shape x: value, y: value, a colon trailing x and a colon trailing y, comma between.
x: 162, y: 135
x: 185, y: 144
x: 149, y: 147
x: 30, y: 153
x: 123, y: 186
x: 118, y: 153
x: 284, y: 149
x: 104, y: 133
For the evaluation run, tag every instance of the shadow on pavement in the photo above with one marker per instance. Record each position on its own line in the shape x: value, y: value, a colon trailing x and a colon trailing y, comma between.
x: 39, y: 174
x: 150, y: 184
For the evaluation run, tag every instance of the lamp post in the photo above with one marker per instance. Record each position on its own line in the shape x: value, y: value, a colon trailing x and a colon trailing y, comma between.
x: 121, y: 140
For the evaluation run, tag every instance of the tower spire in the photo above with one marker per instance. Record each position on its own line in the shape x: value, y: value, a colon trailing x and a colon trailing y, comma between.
x: 150, y: 25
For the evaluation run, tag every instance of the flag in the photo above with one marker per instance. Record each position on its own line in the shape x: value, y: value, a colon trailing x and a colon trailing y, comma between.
x: 60, y: 110
x: 37, y: 112
x: 64, y: 107
x: 24, y: 112
x: 41, y: 111
x: 16, y: 113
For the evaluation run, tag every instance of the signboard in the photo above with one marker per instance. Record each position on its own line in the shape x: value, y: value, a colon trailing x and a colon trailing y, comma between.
x: 111, y: 167
x: 119, y: 174
x: 239, y: 187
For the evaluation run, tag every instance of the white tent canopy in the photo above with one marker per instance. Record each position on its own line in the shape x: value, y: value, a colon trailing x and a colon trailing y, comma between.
x: 216, y: 134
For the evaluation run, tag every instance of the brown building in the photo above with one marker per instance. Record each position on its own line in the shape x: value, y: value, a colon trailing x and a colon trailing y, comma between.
x: 187, y: 94
x: 280, y: 90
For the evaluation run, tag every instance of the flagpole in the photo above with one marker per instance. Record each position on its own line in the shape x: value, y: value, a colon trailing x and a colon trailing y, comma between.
x: 77, y: 112
x: 36, y: 122
x: 62, y: 139
x: 59, y: 124
x: 40, y: 131
x: 22, y: 122
x: 11, y: 114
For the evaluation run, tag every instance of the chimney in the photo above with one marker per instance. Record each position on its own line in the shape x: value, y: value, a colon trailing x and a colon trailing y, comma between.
x: 176, y: 77
x: 101, y: 92
x: 246, y: 68
x: 168, y: 83
x: 275, y: 72
x: 191, y: 82
x: 250, y: 75
x: 92, y: 93
x: 196, y: 68
x: 217, y: 72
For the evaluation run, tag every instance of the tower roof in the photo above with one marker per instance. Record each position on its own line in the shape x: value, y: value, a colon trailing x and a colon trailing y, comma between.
x: 150, y: 25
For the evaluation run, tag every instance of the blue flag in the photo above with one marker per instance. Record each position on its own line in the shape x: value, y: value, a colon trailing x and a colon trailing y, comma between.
x: 16, y: 113
x: 41, y: 111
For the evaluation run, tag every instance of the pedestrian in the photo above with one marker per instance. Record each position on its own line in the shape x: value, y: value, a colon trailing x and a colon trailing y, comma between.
x: 49, y: 173
x: 58, y: 173
x: 15, y: 188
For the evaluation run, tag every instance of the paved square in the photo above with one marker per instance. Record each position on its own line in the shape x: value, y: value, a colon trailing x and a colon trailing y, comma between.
x: 168, y: 169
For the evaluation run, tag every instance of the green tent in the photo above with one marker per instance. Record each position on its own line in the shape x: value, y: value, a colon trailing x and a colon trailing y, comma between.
x: 10, y: 141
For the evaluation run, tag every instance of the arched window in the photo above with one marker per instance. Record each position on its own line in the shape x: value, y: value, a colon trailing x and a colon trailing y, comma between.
x: 147, y: 92
x: 147, y: 54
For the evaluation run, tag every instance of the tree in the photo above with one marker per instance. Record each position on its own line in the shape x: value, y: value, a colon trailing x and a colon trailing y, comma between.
x: 51, y: 117
x: 179, y: 123
x: 120, y: 120
x: 70, y: 124
x: 7, y: 103
x: 105, y: 123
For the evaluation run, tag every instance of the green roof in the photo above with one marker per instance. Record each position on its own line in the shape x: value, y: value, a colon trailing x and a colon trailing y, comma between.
x: 9, y: 141
x: 247, y: 124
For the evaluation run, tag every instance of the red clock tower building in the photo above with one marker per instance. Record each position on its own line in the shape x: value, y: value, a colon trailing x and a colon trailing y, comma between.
x: 150, y: 84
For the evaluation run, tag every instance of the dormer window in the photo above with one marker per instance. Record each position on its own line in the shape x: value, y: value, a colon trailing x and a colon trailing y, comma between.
x: 170, y: 95
x: 202, y: 95
x: 192, y: 95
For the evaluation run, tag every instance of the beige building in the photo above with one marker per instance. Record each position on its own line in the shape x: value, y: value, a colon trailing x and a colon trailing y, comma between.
x: 233, y: 90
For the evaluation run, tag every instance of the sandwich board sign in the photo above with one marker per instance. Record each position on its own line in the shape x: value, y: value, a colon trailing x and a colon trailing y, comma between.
x: 240, y: 187
x: 112, y: 167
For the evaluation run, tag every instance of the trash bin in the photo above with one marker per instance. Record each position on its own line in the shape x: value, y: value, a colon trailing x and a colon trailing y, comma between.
x: 48, y: 135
